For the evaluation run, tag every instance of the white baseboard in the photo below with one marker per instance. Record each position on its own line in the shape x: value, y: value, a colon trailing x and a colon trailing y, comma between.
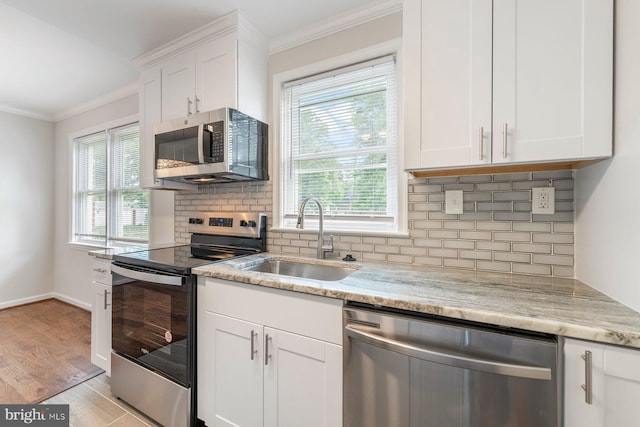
x: 28, y: 300
x: 42, y: 297
x: 72, y: 301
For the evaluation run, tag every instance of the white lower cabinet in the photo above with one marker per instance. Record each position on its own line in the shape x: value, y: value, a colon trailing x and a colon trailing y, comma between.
x: 614, y: 377
x: 101, y: 315
x: 262, y: 367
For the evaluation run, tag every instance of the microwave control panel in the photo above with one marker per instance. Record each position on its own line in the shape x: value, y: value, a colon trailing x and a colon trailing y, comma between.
x: 216, y: 142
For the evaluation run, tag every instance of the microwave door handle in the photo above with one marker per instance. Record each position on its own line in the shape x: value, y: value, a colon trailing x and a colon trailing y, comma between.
x: 455, y: 360
x: 147, y: 277
x: 201, y: 141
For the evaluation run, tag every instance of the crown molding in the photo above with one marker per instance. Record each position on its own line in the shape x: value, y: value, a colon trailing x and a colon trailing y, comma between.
x: 123, y: 92
x: 27, y: 113
x: 221, y: 26
x: 333, y: 25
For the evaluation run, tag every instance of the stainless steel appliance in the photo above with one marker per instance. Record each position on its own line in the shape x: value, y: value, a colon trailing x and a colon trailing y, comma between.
x: 153, y: 363
x: 402, y: 370
x: 217, y: 146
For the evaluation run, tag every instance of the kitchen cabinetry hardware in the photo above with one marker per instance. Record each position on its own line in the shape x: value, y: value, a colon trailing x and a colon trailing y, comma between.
x: 105, y: 299
x: 267, y: 356
x: 197, y: 100
x: 481, y: 138
x: 254, y: 335
x: 458, y: 361
x: 505, y: 137
x: 189, y: 102
x: 588, y: 381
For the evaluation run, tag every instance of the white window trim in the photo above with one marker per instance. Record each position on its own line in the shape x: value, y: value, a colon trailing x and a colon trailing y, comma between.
x: 72, y: 173
x: 392, y: 47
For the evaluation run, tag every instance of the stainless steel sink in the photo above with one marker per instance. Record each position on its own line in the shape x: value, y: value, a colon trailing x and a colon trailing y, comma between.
x: 327, y: 273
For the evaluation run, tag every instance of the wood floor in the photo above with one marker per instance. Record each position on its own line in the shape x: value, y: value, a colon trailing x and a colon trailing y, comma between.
x: 45, y: 348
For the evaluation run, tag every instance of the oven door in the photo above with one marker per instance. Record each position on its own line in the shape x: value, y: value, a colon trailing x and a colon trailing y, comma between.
x: 153, y: 321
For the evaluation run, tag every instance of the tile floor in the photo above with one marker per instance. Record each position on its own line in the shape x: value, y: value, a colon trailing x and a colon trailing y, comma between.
x: 91, y: 404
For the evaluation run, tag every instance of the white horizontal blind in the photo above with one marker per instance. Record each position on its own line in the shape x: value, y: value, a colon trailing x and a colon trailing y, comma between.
x: 109, y: 206
x: 340, y: 145
x: 129, y: 205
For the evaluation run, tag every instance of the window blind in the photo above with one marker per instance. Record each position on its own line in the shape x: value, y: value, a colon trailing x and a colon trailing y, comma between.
x: 109, y: 206
x: 340, y: 145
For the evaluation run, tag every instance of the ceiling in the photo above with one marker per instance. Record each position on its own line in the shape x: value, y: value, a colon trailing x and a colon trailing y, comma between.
x: 60, y: 56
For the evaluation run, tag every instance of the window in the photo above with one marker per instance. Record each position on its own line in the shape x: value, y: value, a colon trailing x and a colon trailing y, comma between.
x: 108, y: 205
x: 339, y: 144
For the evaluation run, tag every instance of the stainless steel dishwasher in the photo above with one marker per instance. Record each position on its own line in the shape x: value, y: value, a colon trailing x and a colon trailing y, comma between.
x: 403, y: 370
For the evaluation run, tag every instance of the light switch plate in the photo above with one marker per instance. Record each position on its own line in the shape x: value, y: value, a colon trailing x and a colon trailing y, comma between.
x: 543, y: 200
x: 453, y: 202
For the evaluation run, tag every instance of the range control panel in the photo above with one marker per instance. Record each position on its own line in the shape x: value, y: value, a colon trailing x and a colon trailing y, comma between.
x: 245, y: 224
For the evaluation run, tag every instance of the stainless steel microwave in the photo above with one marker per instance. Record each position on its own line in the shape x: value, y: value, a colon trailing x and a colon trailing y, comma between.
x: 217, y: 146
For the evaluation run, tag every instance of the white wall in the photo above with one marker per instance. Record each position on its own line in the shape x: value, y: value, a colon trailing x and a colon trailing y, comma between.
x: 608, y: 201
x: 26, y: 209
x: 72, y: 271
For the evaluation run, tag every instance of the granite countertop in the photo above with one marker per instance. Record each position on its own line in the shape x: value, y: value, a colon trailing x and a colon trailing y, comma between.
x: 564, y: 307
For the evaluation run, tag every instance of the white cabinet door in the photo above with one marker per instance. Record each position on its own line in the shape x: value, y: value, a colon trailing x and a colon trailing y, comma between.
x: 216, y: 75
x: 302, y: 381
x: 448, y: 83
x: 552, y: 79
x: 178, y: 87
x: 230, y: 387
x: 101, y: 327
x: 615, y: 385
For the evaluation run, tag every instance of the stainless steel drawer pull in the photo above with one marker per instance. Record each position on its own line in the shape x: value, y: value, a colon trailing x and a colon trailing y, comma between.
x: 455, y: 360
x: 189, y: 102
x: 100, y: 270
x: 197, y: 100
x: 505, y: 138
x: 105, y: 299
x: 253, y: 344
x: 267, y: 356
x: 588, y: 380
x: 481, y: 138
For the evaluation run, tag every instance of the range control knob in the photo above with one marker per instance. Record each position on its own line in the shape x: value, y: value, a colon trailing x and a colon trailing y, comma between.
x: 251, y: 223
x: 243, y: 223
x: 195, y: 221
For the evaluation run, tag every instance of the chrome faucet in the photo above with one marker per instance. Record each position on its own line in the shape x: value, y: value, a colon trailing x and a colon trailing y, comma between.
x: 322, y: 247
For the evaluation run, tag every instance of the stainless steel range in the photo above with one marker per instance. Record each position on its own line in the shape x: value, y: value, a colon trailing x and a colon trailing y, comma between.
x: 153, y: 363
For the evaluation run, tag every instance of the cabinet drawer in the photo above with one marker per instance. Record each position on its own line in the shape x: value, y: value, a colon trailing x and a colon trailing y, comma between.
x: 308, y: 315
x: 101, y: 271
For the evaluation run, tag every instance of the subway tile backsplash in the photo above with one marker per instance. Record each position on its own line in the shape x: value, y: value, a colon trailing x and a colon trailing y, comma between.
x: 495, y: 232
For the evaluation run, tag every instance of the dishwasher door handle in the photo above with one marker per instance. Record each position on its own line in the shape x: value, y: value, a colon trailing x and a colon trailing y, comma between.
x: 457, y: 361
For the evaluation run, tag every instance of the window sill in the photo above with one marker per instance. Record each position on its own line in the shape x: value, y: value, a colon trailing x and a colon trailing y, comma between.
x: 342, y: 232
x: 85, y: 246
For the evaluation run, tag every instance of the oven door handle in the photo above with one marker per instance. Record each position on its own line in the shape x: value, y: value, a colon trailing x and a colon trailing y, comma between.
x: 458, y: 361
x: 147, y: 277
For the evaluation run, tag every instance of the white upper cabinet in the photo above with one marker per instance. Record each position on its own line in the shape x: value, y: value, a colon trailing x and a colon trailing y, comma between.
x: 540, y: 69
x: 200, y: 80
x: 223, y: 64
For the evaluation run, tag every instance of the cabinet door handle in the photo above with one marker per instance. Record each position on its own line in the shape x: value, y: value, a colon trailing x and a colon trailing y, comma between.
x: 253, y: 344
x: 189, y: 102
x: 197, y: 100
x: 100, y: 270
x: 505, y: 132
x: 481, y: 138
x: 588, y: 381
x: 267, y: 356
x: 105, y: 299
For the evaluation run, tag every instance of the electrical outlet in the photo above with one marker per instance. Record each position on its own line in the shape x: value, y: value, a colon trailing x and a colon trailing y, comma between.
x: 543, y: 200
